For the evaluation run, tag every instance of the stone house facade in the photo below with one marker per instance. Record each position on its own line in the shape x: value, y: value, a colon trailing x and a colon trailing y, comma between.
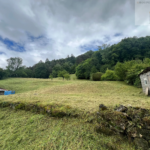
x: 145, y: 80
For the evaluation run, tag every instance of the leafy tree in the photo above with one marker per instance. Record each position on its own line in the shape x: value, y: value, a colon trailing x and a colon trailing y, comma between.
x: 41, y: 71
x: 29, y: 72
x: 94, y: 70
x: 66, y: 66
x: 80, y: 72
x: 67, y: 76
x: 83, y: 70
x: 2, y: 73
x: 57, y: 67
x: 54, y: 73
x: 62, y: 73
x: 13, y: 65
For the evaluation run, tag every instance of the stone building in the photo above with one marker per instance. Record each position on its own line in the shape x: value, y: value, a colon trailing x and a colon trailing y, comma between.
x: 145, y: 80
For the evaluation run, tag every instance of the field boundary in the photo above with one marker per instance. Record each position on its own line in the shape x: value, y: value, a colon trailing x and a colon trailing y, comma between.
x: 52, y: 110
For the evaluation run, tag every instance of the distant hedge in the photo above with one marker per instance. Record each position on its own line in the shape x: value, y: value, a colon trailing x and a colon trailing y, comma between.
x: 97, y: 76
x: 109, y: 76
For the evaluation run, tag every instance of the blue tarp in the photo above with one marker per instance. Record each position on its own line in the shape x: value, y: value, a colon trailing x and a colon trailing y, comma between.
x: 12, y: 92
x: 9, y: 92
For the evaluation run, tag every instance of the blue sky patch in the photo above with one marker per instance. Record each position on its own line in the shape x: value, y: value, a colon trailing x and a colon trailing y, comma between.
x: 12, y: 45
x: 93, y: 45
x: 2, y: 53
x: 42, y: 40
x: 118, y: 34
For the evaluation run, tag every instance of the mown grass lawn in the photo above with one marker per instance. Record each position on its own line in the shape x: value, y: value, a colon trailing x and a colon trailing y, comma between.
x: 25, y: 130
x: 81, y: 94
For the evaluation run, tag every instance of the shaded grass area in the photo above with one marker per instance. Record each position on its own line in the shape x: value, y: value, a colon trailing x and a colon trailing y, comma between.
x: 20, y: 130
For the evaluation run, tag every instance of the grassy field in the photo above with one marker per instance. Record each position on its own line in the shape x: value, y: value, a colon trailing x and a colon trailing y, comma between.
x: 82, y: 94
x: 20, y: 130
x: 25, y: 130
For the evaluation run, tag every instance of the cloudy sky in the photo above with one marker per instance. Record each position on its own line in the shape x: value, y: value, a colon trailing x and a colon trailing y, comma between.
x: 38, y: 29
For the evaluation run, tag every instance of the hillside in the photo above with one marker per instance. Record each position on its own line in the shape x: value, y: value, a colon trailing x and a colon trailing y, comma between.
x: 80, y: 94
x: 92, y: 61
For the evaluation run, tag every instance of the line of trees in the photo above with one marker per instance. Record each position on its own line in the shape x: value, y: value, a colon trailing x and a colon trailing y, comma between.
x: 105, y: 60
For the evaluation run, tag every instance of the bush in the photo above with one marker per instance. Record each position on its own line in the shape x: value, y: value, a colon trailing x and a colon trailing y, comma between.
x: 96, y: 76
x: 67, y: 76
x: 129, y: 71
x: 109, y: 76
x: 137, y: 83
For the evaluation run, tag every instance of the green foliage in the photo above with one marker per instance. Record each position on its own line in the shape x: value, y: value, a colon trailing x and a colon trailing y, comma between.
x: 66, y: 66
x: 129, y: 70
x: 109, y: 76
x: 96, y: 76
x: 90, y: 62
x: 14, y: 63
x: 84, y: 70
x: 103, y: 68
x: 122, y: 68
x: 67, y: 76
x: 2, y: 73
x: 51, y: 77
x: 21, y: 72
x: 94, y: 70
x: 29, y: 72
x: 62, y: 73
x: 137, y: 83
x: 54, y: 73
x: 41, y: 71
x: 57, y: 67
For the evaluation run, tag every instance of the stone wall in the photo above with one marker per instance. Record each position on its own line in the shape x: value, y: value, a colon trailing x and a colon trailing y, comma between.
x: 132, y: 122
x: 147, y: 76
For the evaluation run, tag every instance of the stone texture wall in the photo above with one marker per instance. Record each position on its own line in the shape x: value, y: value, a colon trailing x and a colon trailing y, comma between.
x: 147, y: 76
x: 132, y: 122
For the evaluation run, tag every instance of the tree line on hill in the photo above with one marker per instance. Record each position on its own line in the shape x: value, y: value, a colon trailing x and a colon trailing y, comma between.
x: 106, y: 61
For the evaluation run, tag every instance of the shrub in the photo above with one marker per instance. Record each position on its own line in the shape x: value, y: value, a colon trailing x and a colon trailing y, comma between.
x: 109, y: 76
x: 67, y: 76
x: 96, y: 76
x: 137, y: 83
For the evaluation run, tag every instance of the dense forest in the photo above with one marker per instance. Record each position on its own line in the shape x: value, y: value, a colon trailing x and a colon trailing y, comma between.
x: 106, y: 59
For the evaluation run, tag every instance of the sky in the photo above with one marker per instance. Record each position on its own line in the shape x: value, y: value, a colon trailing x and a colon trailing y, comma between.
x: 38, y: 29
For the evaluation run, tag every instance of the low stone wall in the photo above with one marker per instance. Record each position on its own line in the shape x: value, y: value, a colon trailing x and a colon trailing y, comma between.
x: 54, y: 110
x: 132, y: 122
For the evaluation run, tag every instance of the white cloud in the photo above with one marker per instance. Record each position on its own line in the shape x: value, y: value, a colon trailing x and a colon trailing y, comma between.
x: 64, y: 25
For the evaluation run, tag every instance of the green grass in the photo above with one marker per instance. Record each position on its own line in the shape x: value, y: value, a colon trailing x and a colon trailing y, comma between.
x: 25, y: 130
x: 85, y: 95
x: 20, y: 130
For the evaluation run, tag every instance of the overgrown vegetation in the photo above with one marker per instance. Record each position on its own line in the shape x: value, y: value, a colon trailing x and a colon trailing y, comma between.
x: 129, y: 71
